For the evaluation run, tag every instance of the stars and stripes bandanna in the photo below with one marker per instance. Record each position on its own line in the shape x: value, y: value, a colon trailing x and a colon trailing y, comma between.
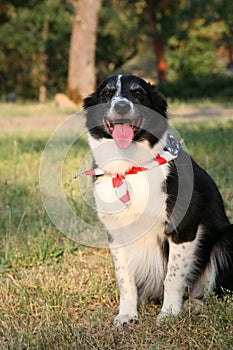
x: 169, y: 152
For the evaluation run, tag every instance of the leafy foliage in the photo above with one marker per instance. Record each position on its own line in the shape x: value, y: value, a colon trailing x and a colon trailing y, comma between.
x: 22, y: 46
x: 192, y: 32
x: 117, y: 36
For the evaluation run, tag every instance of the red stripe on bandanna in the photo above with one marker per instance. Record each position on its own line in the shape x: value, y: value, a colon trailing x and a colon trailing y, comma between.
x: 160, y: 160
x: 117, y: 180
x: 125, y: 199
x: 120, y: 186
x: 90, y: 172
x: 135, y: 170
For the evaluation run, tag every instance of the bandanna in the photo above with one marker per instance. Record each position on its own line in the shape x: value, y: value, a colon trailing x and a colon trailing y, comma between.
x: 119, y: 183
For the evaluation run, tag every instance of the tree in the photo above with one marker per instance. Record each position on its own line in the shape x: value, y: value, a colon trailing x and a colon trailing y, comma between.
x: 163, y: 18
x: 154, y: 9
x: 224, y: 13
x: 81, y: 71
x: 118, y: 35
x: 44, y: 62
x: 35, y: 42
x: 134, y: 24
x: 34, y: 47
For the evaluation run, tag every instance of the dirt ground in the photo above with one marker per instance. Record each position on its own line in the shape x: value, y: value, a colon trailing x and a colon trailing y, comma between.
x: 184, y: 113
x: 33, y: 123
x: 190, y: 113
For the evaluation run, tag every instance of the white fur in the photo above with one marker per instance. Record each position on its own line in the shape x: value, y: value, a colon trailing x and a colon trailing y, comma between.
x: 118, y: 85
x: 114, y: 160
x: 138, y: 229
x: 179, y: 263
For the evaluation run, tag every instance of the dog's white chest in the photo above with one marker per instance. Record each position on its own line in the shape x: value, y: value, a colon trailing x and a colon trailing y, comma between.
x: 147, y: 206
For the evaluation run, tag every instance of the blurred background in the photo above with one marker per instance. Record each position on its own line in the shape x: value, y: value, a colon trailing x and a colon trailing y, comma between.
x: 69, y: 46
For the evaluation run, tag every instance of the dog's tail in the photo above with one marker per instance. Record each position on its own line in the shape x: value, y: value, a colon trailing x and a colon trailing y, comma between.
x: 224, y: 261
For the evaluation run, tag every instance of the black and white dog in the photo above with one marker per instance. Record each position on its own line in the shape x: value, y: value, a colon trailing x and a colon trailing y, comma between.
x: 167, y: 229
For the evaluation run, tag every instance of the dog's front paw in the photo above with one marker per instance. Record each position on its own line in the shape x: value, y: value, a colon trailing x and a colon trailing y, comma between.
x: 124, y: 320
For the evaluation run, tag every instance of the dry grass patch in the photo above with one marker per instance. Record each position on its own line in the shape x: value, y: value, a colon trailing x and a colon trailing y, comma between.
x: 71, y: 303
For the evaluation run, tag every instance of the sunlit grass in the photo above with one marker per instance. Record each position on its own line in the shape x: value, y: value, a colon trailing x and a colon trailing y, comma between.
x: 28, y: 109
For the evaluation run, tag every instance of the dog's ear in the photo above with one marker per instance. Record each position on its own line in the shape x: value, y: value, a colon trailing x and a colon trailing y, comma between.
x: 89, y: 101
x: 158, y: 100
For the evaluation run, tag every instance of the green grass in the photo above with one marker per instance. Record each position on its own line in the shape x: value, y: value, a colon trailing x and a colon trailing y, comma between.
x: 57, y: 294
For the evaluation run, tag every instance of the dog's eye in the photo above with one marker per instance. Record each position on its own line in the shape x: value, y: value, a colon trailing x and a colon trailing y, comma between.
x: 108, y: 93
x: 137, y: 92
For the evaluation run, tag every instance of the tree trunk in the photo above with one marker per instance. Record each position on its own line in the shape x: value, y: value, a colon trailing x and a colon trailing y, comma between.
x: 81, y: 74
x: 160, y: 55
x: 43, y: 65
x: 157, y: 40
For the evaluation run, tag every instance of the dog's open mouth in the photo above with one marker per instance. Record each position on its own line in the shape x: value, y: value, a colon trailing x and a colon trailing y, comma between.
x: 123, y: 130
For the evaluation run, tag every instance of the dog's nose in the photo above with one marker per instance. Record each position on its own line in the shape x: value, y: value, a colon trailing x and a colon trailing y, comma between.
x: 122, y: 107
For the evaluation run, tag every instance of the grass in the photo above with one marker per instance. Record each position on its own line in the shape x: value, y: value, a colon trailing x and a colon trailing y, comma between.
x: 58, y: 294
x: 28, y: 109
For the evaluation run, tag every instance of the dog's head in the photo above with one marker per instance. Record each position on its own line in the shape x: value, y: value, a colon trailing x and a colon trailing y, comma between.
x: 127, y: 109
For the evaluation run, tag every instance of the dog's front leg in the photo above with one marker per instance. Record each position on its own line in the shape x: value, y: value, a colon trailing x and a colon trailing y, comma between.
x: 179, y: 266
x: 127, y: 289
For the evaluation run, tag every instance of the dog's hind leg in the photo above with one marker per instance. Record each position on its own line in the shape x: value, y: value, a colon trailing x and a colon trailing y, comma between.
x: 224, y: 259
x: 127, y: 289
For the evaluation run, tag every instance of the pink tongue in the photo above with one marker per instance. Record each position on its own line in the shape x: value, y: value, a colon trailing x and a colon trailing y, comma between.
x: 123, y: 135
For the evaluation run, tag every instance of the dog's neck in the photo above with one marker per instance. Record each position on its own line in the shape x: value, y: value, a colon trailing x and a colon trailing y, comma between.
x: 114, y: 160
x: 168, y: 152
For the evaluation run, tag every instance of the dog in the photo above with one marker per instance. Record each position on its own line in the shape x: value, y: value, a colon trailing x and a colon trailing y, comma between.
x: 166, y: 225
